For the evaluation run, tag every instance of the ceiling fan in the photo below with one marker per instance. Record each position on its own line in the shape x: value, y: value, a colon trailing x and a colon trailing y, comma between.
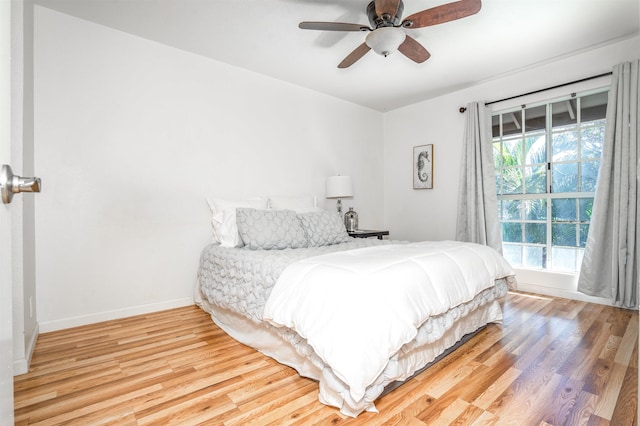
x: 387, y: 34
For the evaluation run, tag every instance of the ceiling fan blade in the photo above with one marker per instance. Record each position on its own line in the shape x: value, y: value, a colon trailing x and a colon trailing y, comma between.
x: 441, y: 14
x: 387, y: 6
x: 414, y: 50
x: 352, y: 57
x: 332, y: 26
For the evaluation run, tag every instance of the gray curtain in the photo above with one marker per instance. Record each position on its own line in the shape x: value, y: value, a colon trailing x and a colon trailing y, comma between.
x: 610, y: 264
x: 477, y: 199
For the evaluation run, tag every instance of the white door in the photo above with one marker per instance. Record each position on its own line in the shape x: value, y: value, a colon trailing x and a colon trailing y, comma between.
x: 6, y: 296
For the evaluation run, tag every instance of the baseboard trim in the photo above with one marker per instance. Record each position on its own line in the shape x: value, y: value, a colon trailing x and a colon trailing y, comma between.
x: 21, y: 366
x: 61, y: 324
x: 566, y: 294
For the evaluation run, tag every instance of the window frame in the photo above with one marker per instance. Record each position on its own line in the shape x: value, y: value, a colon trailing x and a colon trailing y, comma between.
x: 548, y: 196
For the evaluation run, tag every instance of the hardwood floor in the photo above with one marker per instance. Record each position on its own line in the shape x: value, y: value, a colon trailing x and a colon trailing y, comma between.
x: 552, y: 362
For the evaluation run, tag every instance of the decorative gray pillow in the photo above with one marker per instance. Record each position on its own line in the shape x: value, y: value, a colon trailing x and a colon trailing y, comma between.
x: 323, y: 228
x: 270, y: 229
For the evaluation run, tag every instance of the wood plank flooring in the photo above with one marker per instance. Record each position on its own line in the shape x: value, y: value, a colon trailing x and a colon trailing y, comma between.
x: 552, y: 362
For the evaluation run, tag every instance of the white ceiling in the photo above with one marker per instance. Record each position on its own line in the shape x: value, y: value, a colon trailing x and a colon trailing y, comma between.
x: 263, y: 36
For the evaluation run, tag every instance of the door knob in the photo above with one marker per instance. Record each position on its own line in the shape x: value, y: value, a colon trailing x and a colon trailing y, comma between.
x: 11, y: 184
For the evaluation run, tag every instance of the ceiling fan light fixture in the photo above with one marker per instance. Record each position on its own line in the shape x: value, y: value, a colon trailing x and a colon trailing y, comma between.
x: 385, y: 40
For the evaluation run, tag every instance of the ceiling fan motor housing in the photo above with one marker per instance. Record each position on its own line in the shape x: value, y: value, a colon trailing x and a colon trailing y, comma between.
x: 385, y: 20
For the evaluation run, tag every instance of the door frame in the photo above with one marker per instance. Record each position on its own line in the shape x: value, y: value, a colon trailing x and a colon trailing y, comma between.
x: 6, y: 285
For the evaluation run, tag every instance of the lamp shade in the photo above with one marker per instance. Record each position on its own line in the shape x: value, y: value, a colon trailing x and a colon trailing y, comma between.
x: 339, y: 186
x: 385, y: 40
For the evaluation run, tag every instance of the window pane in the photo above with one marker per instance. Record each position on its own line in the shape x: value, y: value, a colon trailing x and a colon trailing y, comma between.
x: 563, y: 210
x: 512, y: 180
x: 580, y: 255
x: 536, y: 179
x: 513, y: 254
x: 591, y: 140
x: 584, y: 233
x: 564, y: 113
x: 512, y: 123
x: 564, y: 258
x: 563, y: 234
x: 586, y: 208
x: 565, y: 177
x: 565, y: 146
x: 535, y: 257
x: 512, y: 152
x: 535, y: 209
x: 589, y: 176
x: 536, y: 233
x: 512, y: 209
x: 536, y: 147
x: 497, y: 155
x: 593, y: 107
x: 512, y: 232
x: 495, y: 126
x: 535, y: 118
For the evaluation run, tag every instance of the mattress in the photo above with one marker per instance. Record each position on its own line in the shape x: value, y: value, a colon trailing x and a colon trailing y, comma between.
x: 235, y: 285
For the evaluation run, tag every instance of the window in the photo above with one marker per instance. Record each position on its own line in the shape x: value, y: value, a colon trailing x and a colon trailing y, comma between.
x: 547, y: 158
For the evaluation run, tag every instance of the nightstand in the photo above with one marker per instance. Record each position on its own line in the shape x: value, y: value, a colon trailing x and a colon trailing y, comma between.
x: 366, y: 233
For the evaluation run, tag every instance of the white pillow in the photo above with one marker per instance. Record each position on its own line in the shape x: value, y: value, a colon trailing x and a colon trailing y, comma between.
x: 225, y: 230
x: 297, y: 204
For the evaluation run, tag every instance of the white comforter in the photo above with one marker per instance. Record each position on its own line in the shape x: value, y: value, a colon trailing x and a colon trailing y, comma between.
x: 357, y: 308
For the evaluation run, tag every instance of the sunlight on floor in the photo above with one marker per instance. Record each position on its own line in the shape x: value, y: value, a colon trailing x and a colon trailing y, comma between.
x: 530, y: 295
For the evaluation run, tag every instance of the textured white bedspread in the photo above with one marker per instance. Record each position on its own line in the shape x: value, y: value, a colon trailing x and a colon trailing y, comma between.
x: 358, y: 308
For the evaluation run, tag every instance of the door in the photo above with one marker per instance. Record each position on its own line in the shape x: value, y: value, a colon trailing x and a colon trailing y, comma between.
x: 6, y: 294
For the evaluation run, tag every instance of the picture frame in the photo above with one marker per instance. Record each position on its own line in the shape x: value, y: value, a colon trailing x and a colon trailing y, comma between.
x: 423, y: 167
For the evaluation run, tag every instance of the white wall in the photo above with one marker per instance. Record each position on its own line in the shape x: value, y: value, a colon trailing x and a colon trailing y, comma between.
x: 131, y: 135
x: 431, y: 214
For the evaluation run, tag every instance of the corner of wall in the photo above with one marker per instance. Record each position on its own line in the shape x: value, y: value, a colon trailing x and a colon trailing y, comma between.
x: 21, y: 365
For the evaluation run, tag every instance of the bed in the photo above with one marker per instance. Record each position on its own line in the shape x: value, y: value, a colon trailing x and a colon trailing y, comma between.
x: 357, y: 315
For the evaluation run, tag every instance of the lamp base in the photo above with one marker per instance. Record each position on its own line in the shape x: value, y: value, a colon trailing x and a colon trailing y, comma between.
x: 339, y: 206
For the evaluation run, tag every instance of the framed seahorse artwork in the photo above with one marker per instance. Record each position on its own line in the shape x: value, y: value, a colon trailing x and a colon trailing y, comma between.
x: 423, y: 167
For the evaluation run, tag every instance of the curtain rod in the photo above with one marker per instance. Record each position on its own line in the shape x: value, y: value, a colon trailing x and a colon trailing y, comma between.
x: 463, y: 109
